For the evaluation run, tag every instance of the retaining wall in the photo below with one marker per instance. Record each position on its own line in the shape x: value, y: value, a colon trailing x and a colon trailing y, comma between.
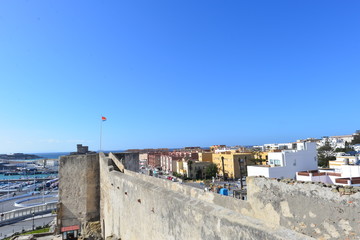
x: 23, y: 213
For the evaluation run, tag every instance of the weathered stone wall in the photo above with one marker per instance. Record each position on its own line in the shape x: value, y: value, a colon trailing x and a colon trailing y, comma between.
x: 317, y: 210
x: 79, y: 190
x: 129, y: 160
x: 135, y: 206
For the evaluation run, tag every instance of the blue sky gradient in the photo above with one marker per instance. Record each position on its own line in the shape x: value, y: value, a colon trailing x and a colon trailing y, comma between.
x: 176, y: 73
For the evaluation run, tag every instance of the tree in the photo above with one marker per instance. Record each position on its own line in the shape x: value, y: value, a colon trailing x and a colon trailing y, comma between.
x: 178, y: 175
x: 189, y: 174
x: 325, y: 147
x: 257, y: 157
x: 356, y: 139
x: 323, y: 161
x: 325, y: 154
x: 256, y: 161
x: 190, y: 165
x: 211, y: 170
x: 346, y: 149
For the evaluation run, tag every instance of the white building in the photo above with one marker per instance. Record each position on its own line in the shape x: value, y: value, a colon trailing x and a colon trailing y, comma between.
x: 166, y: 163
x: 344, y: 159
x: 356, y: 147
x: 286, y: 163
x: 259, y: 148
x: 343, y: 175
x: 52, y: 162
x: 336, y: 141
x: 339, y: 141
x: 143, y: 158
x: 278, y: 146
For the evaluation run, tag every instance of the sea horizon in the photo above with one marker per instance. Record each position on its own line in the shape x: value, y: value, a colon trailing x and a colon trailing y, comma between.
x: 56, y: 155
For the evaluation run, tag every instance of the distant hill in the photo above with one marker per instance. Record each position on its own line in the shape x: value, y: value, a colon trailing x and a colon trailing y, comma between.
x: 18, y: 156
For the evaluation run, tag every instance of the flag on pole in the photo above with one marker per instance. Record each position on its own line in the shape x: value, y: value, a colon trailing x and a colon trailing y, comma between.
x: 103, y: 119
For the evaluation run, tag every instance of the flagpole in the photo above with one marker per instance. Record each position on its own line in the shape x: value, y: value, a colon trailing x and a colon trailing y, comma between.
x: 101, y: 121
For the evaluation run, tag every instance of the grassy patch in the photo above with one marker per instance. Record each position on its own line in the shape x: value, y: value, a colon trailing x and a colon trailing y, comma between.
x: 42, y: 230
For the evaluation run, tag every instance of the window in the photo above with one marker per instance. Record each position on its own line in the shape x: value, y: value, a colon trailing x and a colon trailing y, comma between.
x: 275, y: 162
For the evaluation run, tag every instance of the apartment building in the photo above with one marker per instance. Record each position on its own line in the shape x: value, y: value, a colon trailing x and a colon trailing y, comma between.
x: 285, y: 163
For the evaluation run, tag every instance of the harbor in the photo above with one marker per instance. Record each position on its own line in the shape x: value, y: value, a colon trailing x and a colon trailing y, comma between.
x: 27, y: 186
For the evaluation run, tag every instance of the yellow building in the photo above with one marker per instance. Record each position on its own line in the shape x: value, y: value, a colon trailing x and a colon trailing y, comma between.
x: 343, y: 160
x: 180, y: 167
x: 231, y: 163
x: 206, y: 157
x: 260, y: 158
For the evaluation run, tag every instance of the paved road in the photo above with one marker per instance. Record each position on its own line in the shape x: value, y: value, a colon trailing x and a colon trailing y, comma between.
x: 9, y: 205
x: 27, y: 179
x: 26, y: 224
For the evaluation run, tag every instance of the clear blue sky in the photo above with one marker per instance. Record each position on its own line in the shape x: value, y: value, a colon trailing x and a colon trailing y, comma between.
x: 176, y: 73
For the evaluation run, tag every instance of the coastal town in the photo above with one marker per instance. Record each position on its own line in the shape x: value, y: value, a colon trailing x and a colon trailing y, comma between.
x: 330, y: 159
x: 179, y: 120
x: 308, y: 189
x: 223, y: 170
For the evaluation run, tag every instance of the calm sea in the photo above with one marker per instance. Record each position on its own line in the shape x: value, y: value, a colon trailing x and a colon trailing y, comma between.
x: 37, y: 176
x: 52, y: 155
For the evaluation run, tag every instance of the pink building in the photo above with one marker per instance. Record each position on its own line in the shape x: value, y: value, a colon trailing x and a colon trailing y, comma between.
x: 167, y: 160
x: 154, y: 159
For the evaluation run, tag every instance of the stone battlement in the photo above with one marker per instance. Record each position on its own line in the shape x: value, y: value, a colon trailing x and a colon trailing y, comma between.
x: 130, y: 205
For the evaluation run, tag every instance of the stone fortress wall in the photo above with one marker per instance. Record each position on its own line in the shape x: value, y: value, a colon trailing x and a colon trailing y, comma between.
x: 79, y: 190
x: 136, y: 206
x: 315, y: 209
